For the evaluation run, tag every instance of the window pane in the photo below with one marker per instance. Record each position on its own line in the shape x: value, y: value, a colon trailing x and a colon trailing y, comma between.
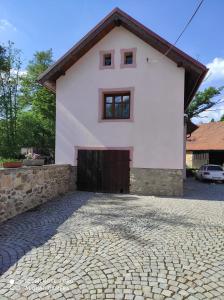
x: 109, y: 110
x: 126, y: 111
x: 118, y: 99
x: 118, y: 110
x: 109, y: 99
x: 117, y: 106
x: 126, y: 98
x: 126, y: 106
x: 128, y: 58
x: 107, y: 60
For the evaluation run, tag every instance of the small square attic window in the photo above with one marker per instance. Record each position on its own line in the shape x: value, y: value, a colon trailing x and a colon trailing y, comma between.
x: 128, y: 58
x: 107, y: 59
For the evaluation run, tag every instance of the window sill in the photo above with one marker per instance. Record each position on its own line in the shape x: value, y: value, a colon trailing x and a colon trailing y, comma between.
x: 116, y: 120
x: 106, y: 67
x: 127, y: 66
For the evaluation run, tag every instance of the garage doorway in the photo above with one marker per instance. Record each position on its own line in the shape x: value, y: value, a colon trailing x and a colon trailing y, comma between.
x: 216, y: 157
x: 103, y: 171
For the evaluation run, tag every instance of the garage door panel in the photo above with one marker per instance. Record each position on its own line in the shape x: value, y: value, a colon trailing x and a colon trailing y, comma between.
x: 116, y: 171
x: 87, y: 171
x: 103, y: 170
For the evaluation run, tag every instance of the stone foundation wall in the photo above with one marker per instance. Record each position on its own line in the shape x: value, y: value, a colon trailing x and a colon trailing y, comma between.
x: 73, y: 178
x: 160, y: 182
x: 24, y: 188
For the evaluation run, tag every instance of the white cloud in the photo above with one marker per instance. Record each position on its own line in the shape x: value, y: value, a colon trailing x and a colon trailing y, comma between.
x: 216, y: 70
x: 6, y: 25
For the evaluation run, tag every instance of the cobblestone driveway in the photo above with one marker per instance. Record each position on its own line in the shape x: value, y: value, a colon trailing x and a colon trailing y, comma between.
x: 94, y: 246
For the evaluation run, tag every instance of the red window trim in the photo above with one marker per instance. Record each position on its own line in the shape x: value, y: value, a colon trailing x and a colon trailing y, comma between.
x: 103, y: 92
x: 123, y: 52
x: 102, y: 54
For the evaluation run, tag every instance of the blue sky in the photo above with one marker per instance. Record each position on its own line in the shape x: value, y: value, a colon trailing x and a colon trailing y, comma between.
x: 43, y: 24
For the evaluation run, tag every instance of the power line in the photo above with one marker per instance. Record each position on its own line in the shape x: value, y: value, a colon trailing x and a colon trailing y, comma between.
x: 185, y: 27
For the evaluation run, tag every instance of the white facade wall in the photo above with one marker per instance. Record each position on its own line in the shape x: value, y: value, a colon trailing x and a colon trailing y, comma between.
x: 156, y: 134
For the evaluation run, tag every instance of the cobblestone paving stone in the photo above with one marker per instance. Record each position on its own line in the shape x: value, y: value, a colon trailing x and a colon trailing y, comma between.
x: 101, y: 246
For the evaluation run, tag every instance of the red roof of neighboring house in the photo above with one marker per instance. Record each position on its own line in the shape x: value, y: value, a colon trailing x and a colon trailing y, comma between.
x: 209, y: 136
x: 194, y: 70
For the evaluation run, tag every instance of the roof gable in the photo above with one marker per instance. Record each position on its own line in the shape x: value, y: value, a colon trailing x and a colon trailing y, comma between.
x: 194, y: 71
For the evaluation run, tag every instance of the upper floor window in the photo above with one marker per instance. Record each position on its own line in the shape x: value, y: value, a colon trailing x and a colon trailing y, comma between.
x: 107, y: 59
x: 117, y: 106
x: 128, y: 58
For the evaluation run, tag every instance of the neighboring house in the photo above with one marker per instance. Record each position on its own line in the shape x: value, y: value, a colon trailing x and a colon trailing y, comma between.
x: 206, y: 145
x: 121, y: 93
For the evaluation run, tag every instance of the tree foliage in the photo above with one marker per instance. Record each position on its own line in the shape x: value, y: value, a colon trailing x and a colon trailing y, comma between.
x: 27, y: 109
x: 10, y: 66
x: 204, y: 100
x: 37, y: 99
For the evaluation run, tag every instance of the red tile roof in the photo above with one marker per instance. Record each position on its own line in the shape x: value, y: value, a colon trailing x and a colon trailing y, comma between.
x: 209, y: 136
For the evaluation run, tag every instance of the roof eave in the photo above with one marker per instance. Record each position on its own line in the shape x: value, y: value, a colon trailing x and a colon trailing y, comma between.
x: 195, y: 88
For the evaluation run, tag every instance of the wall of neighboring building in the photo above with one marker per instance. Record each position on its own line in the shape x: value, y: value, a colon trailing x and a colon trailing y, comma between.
x: 194, y: 160
x: 189, y: 159
x: 156, y: 134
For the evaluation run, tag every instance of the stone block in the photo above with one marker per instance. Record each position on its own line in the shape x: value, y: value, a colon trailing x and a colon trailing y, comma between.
x: 6, y: 181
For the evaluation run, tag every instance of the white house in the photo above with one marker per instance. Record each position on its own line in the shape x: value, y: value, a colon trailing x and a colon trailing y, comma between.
x: 121, y: 93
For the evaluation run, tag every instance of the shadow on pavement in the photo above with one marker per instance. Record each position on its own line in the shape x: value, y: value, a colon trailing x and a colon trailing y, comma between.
x: 35, y: 227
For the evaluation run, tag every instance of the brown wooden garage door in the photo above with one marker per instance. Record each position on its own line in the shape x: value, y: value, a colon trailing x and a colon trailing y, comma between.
x: 103, y: 171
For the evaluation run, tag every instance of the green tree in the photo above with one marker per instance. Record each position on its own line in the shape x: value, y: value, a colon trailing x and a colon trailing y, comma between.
x: 204, y: 100
x: 31, y: 132
x: 10, y: 67
x: 222, y: 118
x: 41, y: 102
